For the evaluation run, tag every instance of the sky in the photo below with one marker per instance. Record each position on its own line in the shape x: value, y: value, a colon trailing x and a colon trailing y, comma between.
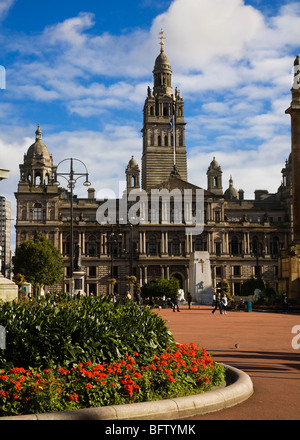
x: 81, y: 70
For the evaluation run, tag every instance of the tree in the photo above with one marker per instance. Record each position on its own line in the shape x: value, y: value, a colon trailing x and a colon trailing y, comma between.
x: 169, y: 288
x: 40, y: 262
x: 249, y: 286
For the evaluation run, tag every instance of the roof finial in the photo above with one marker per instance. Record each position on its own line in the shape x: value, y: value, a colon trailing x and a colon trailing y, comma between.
x: 161, y: 38
x: 38, y: 133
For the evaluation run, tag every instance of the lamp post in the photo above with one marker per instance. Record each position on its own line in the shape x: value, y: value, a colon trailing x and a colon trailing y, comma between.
x: 72, y: 177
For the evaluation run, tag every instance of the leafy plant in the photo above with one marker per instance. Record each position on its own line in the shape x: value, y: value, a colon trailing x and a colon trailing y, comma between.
x: 59, y: 331
x: 184, y: 369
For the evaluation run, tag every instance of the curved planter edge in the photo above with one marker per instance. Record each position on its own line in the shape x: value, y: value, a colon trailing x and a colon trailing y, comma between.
x: 239, y: 390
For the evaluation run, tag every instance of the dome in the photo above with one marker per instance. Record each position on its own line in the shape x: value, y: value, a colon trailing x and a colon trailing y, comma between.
x: 38, y: 150
x: 231, y: 193
x: 162, y: 61
x: 214, y: 165
x: 132, y: 163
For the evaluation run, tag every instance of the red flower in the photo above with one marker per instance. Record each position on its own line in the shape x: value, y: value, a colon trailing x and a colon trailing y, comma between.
x: 73, y: 397
x: 171, y: 379
x: 3, y: 393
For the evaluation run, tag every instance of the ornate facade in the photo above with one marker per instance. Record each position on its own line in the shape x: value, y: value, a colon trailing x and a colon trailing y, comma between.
x: 243, y: 237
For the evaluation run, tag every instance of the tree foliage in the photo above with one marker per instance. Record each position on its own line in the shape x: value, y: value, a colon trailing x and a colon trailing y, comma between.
x: 169, y: 288
x: 40, y: 262
x: 250, y: 285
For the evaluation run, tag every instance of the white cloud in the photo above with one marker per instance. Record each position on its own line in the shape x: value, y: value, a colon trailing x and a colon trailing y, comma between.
x: 5, y: 6
x: 207, y: 31
x: 232, y: 64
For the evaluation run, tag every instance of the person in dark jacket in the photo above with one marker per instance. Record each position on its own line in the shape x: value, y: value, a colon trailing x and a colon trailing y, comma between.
x: 218, y: 304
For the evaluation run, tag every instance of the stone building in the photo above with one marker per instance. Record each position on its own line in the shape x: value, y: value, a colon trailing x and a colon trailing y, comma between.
x: 243, y: 237
x: 289, y: 258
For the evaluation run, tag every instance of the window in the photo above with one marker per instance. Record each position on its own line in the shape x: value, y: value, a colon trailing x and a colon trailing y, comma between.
x: 217, y: 216
x: 198, y: 244
x: 92, y: 271
x: 275, y: 246
x: 218, y: 271
x: 237, y: 288
x: 91, y: 247
x: 175, y: 246
x: 234, y: 246
x: 152, y: 245
x: 37, y: 213
x: 236, y: 271
x: 257, y: 271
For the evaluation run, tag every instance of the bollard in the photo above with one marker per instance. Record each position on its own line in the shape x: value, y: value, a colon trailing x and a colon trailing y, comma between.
x: 248, y: 306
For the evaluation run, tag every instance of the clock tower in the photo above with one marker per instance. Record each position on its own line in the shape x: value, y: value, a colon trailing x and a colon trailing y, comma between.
x: 164, y: 150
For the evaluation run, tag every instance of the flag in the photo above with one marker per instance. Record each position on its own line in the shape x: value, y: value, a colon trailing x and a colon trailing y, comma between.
x: 171, y: 126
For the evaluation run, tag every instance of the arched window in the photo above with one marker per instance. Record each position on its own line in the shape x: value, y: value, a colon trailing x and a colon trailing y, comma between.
x: 37, y: 212
x: 38, y: 179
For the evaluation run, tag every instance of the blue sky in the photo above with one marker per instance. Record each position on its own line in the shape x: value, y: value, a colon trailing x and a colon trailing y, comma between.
x: 81, y: 70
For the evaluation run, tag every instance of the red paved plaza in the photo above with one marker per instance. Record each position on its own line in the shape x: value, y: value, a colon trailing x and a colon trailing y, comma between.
x: 265, y: 352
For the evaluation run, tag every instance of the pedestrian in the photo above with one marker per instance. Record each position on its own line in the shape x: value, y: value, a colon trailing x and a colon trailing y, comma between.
x: 224, y: 303
x: 218, y: 304
x: 175, y: 303
x: 138, y: 298
x: 284, y: 302
x: 214, y: 300
x: 128, y: 296
x: 189, y: 300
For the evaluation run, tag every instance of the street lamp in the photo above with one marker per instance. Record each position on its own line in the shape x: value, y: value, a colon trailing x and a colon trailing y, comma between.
x: 72, y: 177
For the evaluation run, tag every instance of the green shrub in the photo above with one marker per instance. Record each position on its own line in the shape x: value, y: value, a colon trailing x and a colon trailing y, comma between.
x: 169, y: 288
x: 59, y: 331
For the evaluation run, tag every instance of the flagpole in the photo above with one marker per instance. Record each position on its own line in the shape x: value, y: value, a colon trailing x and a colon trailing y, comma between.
x: 174, y: 133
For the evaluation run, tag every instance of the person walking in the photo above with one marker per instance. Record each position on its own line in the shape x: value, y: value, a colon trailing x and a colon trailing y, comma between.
x: 284, y: 302
x: 214, y: 300
x: 175, y: 303
x: 224, y: 303
x: 218, y: 304
x: 189, y: 300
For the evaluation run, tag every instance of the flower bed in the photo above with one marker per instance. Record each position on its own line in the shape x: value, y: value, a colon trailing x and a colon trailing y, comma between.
x: 185, y: 370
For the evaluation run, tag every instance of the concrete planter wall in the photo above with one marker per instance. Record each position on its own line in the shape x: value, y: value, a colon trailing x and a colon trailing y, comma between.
x: 240, y: 389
